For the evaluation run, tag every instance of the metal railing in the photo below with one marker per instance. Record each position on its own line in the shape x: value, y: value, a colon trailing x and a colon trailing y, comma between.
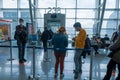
x: 35, y: 47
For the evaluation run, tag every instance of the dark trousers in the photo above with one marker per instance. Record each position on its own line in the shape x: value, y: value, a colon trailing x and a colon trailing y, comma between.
x: 21, y: 50
x: 111, y: 65
x: 95, y: 47
x: 45, y: 46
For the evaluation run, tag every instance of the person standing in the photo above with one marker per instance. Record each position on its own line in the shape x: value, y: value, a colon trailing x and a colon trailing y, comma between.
x: 45, y: 37
x: 60, y: 41
x: 79, y: 44
x: 115, y: 48
x: 21, y: 37
x: 113, y: 39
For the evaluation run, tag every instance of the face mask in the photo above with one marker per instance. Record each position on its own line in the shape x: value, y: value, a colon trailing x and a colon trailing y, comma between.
x: 21, y: 23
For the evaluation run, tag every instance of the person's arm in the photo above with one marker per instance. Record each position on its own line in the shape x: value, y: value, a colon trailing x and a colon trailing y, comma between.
x: 116, y: 44
x: 17, y: 33
x: 81, y: 36
x: 66, y: 41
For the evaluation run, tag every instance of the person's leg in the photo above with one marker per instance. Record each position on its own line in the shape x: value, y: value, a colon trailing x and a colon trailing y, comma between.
x: 96, y: 49
x: 23, y: 51
x: 45, y: 45
x: 118, y: 77
x: 56, y: 63
x: 62, y: 58
x: 110, y: 66
x: 19, y: 51
x: 78, y: 62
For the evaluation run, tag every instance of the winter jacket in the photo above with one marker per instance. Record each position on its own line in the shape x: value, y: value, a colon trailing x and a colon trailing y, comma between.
x: 46, y: 35
x: 60, y: 41
x: 20, y: 34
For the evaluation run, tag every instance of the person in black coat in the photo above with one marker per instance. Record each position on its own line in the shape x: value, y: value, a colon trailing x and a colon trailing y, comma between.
x: 46, y: 35
x: 21, y: 37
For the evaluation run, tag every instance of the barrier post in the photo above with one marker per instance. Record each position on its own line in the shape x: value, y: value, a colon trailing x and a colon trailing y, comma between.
x: 10, y: 59
x: 91, y: 64
x: 33, y: 76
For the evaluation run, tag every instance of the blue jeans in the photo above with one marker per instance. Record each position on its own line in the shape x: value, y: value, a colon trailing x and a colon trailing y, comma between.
x: 78, y: 60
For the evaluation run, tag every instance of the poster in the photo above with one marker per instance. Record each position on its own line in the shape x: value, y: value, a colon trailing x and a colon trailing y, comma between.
x: 5, y: 26
x: 31, y: 34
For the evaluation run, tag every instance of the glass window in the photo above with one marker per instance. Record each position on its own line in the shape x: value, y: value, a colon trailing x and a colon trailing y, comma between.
x: 69, y: 27
x: 24, y: 4
x: 10, y: 4
x: 41, y: 13
x: 40, y: 22
x: 1, y: 13
x: 110, y: 15
x: 66, y: 3
x: 86, y: 23
x: 110, y: 3
x: 46, y: 3
x: 84, y: 14
x: 10, y: 15
x: 70, y: 13
x: 25, y: 14
x: 86, y: 3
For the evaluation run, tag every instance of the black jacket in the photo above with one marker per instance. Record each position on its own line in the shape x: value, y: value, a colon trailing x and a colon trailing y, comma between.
x: 21, y: 34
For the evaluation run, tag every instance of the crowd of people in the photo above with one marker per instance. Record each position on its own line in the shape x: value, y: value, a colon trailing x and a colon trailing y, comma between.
x: 59, y: 40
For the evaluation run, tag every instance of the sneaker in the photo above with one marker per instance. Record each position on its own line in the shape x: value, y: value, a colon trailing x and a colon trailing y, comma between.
x: 55, y: 76
x: 21, y: 61
x: 24, y: 60
x: 61, y: 76
x: 76, y: 76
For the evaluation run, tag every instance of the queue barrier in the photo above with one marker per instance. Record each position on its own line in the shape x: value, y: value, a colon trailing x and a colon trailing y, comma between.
x: 34, y: 77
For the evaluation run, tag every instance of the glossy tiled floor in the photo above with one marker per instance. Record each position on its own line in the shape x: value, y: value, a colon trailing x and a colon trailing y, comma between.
x: 45, y: 70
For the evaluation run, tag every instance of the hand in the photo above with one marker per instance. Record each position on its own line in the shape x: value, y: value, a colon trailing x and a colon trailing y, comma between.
x: 73, y: 38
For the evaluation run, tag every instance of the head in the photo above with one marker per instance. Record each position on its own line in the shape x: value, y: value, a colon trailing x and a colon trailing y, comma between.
x: 61, y: 30
x: 106, y: 35
x: 77, y: 26
x: 45, y: 28
x: 119, y: 28
x: 21, y: 21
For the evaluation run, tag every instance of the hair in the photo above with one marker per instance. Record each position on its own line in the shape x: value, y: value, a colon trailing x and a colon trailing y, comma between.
x: 119, y: 26
x: 77, y: 24
x: 21, y: 20
x: 62, y: 29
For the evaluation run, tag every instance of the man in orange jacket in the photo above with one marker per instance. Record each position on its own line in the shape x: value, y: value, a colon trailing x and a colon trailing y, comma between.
x: 79, y: 44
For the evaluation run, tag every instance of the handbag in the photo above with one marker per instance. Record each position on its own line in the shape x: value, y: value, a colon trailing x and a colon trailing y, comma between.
x: 116, y: 57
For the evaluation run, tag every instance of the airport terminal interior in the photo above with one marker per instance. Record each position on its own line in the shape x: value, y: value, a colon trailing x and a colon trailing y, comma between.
x: 99, y: 18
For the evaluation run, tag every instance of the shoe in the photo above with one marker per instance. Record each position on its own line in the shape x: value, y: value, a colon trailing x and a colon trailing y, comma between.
x: 61, y: 76
x: 24, y: 60
x: 96, y: 52
x: 21, y: 61
x: 55, y: 76
x: 76, y: 76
